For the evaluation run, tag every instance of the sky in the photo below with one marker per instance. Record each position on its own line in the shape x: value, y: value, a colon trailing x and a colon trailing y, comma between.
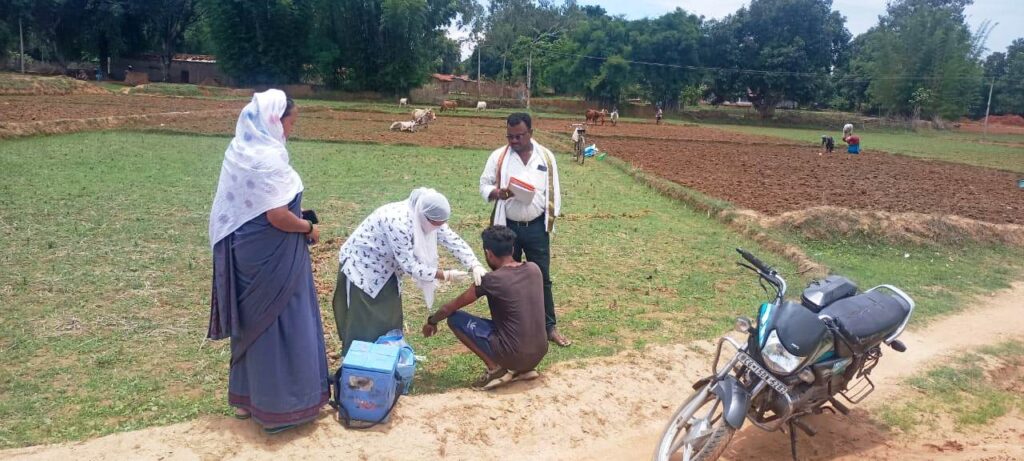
x: 1008, y: 15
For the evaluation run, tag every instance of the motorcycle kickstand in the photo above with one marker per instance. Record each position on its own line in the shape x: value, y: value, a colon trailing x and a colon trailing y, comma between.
x: 793, y: 425
x: 792, y: 441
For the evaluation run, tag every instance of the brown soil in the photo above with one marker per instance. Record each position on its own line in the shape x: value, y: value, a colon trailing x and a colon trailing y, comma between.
x: 624, y: 130
x: 767, y: 175
x: 18, y: 84
x: 22, y: 109
x: 826, y: 222
x: 334, y: 125
x: 1005, y: 124
x: 780, y: 178
x: 612, y: 408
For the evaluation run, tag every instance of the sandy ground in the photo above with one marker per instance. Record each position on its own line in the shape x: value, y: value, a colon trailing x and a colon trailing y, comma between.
x: 611, y: 408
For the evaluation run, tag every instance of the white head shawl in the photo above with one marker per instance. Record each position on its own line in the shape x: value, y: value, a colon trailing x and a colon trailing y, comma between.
x: 424, y: 204
x: 255, y: 176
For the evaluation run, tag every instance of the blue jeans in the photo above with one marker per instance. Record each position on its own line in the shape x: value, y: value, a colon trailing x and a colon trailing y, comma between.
x: 477, y: 329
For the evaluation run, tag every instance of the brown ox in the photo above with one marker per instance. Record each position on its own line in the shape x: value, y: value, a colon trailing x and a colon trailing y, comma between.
x: 594, y: 115
x: 448, y: 105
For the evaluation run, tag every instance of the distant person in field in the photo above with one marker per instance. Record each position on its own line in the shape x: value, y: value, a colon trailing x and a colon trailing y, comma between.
x: 658, y: 116
x: 514, y: 340
x: 532, y: 219
x: 263, y: 294
x: 397, y: 238
x: 828, y: 143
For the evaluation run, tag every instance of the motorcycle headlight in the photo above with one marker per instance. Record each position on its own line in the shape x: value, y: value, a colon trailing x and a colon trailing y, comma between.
x: 777, y: 358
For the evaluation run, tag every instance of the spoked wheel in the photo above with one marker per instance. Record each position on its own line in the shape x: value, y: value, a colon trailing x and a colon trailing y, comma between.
x: 697, y: 430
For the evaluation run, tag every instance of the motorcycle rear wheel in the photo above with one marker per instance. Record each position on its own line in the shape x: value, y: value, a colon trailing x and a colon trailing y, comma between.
x: 697, y: 430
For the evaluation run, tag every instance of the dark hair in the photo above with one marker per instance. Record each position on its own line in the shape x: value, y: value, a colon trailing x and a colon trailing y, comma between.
x: 498, y: 239
x: 520, y: 117
x: 288, y: 108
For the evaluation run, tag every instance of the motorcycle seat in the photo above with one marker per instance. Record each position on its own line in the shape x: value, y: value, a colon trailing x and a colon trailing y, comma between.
x: 868, y: 318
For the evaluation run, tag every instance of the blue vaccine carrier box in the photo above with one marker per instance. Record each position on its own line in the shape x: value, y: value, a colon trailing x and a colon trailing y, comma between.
x: 369, y: 380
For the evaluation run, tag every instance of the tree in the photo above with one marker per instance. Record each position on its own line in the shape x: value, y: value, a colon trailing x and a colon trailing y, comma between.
x: 670, y: 39
x: 260, y: 41
x: 386, y: 45
x: 849, y: 84
x: 787, y: 49
x: 923, y: 45
x: 591, y: 59
x: 1005, y: 71
x: 165, y: 24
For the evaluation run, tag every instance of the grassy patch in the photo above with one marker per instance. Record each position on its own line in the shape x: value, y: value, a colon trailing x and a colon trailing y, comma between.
x: 974, y: 389
x: 106, y: 290
x: 1004, y: 152
x: 941, y: 279
x: 189, y: 91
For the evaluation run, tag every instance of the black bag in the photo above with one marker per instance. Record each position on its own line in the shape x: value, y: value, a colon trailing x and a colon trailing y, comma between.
x: 821, y: 293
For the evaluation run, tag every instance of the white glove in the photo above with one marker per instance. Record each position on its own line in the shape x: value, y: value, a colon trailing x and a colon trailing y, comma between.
x: 451, y: 275
x: 478, y: 274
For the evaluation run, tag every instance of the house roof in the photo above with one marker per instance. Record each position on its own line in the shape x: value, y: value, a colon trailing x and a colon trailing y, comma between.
x: 451, y: 78
x: 181, y: 57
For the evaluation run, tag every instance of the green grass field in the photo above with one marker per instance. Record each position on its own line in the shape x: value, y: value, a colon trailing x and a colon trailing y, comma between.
x: 107, y: 270
x: 106, y: 305
x: 1005, y: 152
x: 970, y: 390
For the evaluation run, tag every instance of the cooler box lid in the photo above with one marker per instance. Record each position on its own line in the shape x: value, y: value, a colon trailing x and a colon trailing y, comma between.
x: 371, y: 357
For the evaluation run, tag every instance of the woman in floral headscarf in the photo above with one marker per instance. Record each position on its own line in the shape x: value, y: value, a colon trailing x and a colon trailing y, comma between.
x: 263, y: 294
x: 397, y: 238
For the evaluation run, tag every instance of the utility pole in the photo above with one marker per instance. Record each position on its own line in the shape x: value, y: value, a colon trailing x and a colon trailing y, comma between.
x: 478, y: 69
x: 991, y: 83
x: 21, y: 36
x: 529, y: 74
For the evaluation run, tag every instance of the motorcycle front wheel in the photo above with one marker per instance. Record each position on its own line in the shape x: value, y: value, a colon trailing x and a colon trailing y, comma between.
x: 697, y: 430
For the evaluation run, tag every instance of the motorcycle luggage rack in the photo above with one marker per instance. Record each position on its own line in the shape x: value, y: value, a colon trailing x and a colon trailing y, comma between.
x: 859, y: 390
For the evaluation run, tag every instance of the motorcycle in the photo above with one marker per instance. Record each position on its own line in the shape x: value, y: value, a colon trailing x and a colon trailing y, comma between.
x: 797, y: 360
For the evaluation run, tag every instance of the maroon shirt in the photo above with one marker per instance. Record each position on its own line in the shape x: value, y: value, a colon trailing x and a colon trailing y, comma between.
x: 515, y: 295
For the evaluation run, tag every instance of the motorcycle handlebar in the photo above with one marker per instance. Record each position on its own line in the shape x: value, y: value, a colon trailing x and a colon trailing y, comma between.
x: 754, y: 261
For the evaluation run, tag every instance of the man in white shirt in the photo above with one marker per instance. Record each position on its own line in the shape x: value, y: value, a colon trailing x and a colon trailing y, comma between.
x: 523, y: 165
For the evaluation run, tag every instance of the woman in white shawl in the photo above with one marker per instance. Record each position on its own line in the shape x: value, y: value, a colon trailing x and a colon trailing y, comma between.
x: 263, y: 297
x: 397, y: 238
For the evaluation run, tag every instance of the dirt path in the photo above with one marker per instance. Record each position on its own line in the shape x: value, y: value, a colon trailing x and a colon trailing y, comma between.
x: 611, y: 408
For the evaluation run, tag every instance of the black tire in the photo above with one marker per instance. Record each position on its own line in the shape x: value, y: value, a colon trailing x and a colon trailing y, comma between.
x: 711, y: 447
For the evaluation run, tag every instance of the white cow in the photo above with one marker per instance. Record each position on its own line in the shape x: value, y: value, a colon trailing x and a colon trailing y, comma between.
x: 403, y: 102
x: 615, y: 117
x: 423, y: 117
x: 481, y: 105
x: 409, y: 126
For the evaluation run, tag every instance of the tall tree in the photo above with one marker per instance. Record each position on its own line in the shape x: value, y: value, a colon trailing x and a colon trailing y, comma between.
x: 260, y: 41
x: 792, y: 46
x: 670, y: 39
x: 165, y: 24
x: 591, y: 59
x: 923, y: 47
x: 1006, y: 72
x: 385, y: 45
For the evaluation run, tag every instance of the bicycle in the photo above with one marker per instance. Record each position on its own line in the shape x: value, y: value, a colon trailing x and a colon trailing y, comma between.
x: 579, y: 140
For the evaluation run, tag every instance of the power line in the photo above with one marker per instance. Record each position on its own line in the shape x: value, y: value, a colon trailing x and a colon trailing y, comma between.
x: 766, y: 72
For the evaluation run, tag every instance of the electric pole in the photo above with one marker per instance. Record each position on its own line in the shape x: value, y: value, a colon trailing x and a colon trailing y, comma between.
x: 21, y: 37
x: 478, y: 69
x: 991, y: 83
